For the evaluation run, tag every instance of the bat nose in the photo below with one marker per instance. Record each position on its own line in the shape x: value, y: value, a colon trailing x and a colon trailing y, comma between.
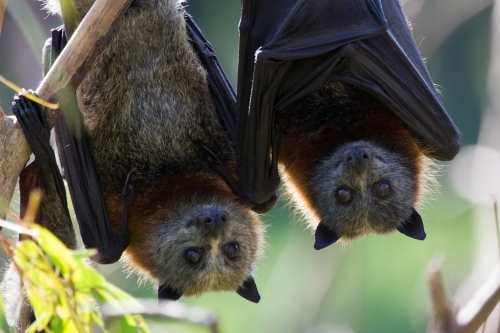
x: 213, y: 218
x: 357, y: 157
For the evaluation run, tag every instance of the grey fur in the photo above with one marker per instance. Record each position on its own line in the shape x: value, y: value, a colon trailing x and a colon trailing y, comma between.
x: 366, y: 212
x: 16, y: 306
x: 147, y: 107
x: 318, y: 130
x: 165, y: 263
x: 149, y: 57
x: 54, y: 216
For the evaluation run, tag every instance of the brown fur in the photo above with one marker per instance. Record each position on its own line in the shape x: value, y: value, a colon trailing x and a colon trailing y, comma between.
x: 147, y: 108
x: 317, y: 127
x: 163, y: 226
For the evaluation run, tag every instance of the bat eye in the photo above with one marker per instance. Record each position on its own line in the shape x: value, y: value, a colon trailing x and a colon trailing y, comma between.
x: 192, y: 256
x: 383, y: 190
x: 231, y: 250
x: 343, y: 195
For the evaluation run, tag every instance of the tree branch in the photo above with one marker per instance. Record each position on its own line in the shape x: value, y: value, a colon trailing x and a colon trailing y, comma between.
x: 442, y: 311
x: 471, y: 316
x: 477, y: 310
x: 68, y: 71
x: 165, y: 309
x: 3, y: 5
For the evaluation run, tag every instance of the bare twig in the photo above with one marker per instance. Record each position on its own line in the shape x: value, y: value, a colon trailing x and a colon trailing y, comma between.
x: 471, y: 316
x: 3, y: 5
x: 171, y: 310
x: 476, y: 311
x: 495, y: 210
x: 68, y: 71
x: 443, y: 314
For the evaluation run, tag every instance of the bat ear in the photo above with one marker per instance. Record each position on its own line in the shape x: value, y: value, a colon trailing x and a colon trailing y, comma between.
x: 168, y: 293
x: 248, y: 290
x: 413, y: 226
x: 324, y: 236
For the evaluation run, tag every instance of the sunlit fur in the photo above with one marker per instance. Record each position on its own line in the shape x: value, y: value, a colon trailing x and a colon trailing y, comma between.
x: 147, y: 107
x: 318, y: 129
x: 165, y: 224
x: 52, y: 6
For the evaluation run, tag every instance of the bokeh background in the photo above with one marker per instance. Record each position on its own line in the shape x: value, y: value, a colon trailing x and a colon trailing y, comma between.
x: 375, y: 284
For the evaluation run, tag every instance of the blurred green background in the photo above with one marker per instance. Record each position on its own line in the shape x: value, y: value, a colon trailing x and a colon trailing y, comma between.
x: 375, y: 284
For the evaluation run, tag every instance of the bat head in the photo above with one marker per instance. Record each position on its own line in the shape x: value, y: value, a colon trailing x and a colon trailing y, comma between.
x: 202, y: 240
x: 363, y: 188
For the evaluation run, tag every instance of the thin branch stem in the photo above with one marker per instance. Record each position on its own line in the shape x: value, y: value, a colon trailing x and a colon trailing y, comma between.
x: 443, y: 315
x: 495, y: 210
x: 477, y: 310
x: 166, y: 309
x: 471, y: 316
x: 3, y: 6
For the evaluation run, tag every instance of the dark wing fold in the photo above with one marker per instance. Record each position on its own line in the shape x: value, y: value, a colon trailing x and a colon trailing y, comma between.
x: 288, y: 48
x: 81, y: 175
x: 224, y: 99
x: 221, y: 90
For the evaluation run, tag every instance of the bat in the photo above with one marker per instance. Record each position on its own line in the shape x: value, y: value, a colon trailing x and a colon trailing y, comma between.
x: 336, y: 96
x: 147, y: 149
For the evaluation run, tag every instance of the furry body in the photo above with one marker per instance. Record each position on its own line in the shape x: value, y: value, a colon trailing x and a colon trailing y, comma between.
x: 147, y: 108
x: 319, y: 133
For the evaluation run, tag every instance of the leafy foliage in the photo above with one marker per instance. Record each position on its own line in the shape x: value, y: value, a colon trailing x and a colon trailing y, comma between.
x: 63, y: 290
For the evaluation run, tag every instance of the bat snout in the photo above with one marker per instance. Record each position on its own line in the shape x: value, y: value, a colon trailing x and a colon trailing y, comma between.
x: 357, y: 158
x: 212, y: 218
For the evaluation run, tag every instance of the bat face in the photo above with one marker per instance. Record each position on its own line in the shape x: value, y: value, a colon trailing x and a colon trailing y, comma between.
x: 362, y: 188
x: 285, y: 57
x: 350, y: 165
x: 201, y: 241
x: 212, y: 247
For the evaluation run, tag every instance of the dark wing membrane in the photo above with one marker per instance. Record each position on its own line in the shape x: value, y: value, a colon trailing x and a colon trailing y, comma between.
x: 221, y: 91
x: 288, y: 48
x: 224, y: 99
x: 81, y: 175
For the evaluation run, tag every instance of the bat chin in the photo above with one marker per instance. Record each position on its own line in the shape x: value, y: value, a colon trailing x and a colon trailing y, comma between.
x: 328, y: 233
x: 247, y: 290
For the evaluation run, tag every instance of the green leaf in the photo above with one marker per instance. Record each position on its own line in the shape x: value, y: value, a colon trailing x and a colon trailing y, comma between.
x: 127, y: 324
x: 87, y: 278
x: 55, y: 250
x: 83, y: 253
x: 62, y: 288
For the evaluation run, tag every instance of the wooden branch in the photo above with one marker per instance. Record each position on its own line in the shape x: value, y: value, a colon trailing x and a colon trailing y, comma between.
x: 3, y: 5
x: 164, y: 309
x: 477, y: 310
x: 68, y: 71
x: 471, y: 316
x: 442, y: 311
